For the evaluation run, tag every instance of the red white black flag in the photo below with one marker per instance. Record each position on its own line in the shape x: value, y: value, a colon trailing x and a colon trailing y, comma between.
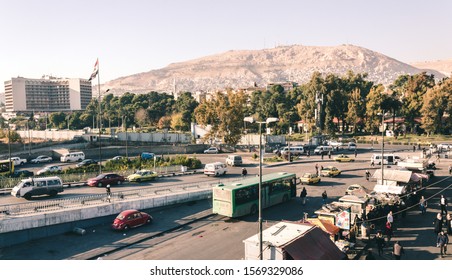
x: 95, y: 71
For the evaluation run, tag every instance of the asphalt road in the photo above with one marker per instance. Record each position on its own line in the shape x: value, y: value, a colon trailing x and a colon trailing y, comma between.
x: 223, y: 239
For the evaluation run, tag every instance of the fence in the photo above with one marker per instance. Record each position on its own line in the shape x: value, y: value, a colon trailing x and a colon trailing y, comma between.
x: 99, y: 199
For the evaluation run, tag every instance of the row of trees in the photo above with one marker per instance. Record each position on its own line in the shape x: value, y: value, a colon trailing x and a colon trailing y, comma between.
x: 326, y: 103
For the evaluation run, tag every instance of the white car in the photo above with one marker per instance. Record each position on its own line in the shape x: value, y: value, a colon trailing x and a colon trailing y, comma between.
x: 335, y: 144
x: 41, y: 159
x: 444, y: 146
x: 211, y: 150
x: 50, y: 168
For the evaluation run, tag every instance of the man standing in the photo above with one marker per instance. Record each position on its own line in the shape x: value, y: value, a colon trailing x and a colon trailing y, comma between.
x: 108, y: 192
x: 324, y: 197
x: 443, y: 204
x: 441, y: 242
x: 303, y: 195
x: 398, y: 251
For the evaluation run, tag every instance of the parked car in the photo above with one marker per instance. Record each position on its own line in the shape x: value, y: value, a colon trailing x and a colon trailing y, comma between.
x: 444, y: 146
x: 343, y: 158
x: 106, y: 179
x: 147, y: 155
x: 86, y: 162
x: 310, y: 178
x: 234, y: 160
x: 142, y: 175
x: 335, y: 144
x: 330, y: 171
x: 130, y: 219
x: 211, y: 150
x: 116, y: 158
x: 41, y: 159
x: 351, y: 146
x: 22, y: 173
x: 50, y: 169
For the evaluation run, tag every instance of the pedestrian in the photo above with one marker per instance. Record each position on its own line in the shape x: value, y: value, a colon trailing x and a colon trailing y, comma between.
x: 414, y: 148
x: 443, y: 204
x: 438, y: 223
x: 423, y: 205
x: 316, y: 168
x: 388, y: 231
x: 367, y: 175
x: 356, y: 152
x: 303, y: 195
x: 372, y: 163
x: 448, y: 224
x: 450, y: 169
x: 324, y: 197
x: 441, y: 241
x: 244, y: 172
x: 108, y: 193
x: 329, y: 154
x: 418, y: 146
x: 398, y: 251
x: 322, y: 156
x: 380, y: 240
x: 308, y: 153
x: 438, y: 157
x: 390, y: 218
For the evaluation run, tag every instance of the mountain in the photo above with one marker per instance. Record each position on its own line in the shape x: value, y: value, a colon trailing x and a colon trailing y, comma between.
x: 442, y: 66
x: 243, y: 68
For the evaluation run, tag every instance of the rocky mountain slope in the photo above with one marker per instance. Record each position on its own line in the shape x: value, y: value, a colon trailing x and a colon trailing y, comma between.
x: 442, y: 66
x: 241, y: 69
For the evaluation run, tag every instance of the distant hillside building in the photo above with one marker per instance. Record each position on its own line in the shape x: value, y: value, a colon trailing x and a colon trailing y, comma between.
x: 48, y: 94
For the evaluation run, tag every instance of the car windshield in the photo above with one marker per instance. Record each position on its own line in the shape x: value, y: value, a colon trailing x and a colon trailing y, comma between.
x: 120, y: 217
x: 101, y: 176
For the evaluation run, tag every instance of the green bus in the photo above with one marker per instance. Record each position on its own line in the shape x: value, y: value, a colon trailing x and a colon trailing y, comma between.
x: 241, y: 198
x: 6, y: 167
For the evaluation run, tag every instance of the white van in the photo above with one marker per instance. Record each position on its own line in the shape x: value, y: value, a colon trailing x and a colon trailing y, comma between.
x: 294, y: 151
x: 215, y: 169
x: 38, y: 186
x: 323, y: 150
x: 388, y: 159
x: 73, y: 157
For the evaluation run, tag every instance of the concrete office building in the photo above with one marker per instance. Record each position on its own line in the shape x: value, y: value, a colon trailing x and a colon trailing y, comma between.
x: 48, y: 94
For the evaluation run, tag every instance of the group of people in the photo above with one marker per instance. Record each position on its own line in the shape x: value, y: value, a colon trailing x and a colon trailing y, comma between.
x: 442, y: 238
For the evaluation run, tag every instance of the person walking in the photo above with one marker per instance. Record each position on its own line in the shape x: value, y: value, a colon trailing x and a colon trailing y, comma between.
x: 443, y: 204
x: 303, y: 195
x: 398, y: 251
x: 316, y: 169
x: 324, y: 197
x: 388, y: 231
x: 450, y: 169
x: 367, y: 175
x: 414, y: 148
x: 423, y: 205
x: 441, y: 241
x: 356, y: 152
x: 108, y: 193
x: 438, y: 223
x: 380, y: 240
x: 244, y: 172
x: 372, y: 163
x: 448, y: 224
x: 329, y: 154
x: 390, y: 218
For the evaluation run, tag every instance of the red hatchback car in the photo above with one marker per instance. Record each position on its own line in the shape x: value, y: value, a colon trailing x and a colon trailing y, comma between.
x: 104, y: 179
x: 131, y: 218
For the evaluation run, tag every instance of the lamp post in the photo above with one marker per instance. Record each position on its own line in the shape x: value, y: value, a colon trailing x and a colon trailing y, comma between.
x: 382, y: 144
x: 252, y: 120
x: 100, y: 131
x: 9, y: 148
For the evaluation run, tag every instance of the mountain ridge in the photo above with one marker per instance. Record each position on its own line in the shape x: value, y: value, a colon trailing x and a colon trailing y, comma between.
x: 243, y: 68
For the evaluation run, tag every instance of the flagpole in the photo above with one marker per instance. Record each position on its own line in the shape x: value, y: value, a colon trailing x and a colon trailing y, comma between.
x: 100, y: 120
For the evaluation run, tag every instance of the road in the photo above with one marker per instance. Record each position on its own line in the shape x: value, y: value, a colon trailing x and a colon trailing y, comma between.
x: 222, y: 239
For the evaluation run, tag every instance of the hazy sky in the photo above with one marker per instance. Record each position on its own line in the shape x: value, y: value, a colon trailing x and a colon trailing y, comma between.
x: 64, y: 37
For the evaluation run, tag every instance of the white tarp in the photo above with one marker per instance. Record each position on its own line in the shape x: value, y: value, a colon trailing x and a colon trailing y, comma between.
x: 389, y: 189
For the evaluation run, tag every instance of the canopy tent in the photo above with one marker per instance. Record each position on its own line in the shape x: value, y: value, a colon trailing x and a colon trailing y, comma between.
x: 401, y: 176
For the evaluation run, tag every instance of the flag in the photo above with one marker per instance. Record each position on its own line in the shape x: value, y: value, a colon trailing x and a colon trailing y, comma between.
x: 95, y: 71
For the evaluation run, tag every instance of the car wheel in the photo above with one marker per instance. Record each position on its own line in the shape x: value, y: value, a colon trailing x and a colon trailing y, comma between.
x: 99, y: 185
x: 253, y: 209
x: 53, y: 193
x: 138, y: 180
x: 126, y: 227
x: 119, y: 182
x: 149, y: 221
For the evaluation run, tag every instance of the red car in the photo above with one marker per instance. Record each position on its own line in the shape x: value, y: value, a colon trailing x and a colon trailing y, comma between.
x: 131, y: 218
x: 105, y: 179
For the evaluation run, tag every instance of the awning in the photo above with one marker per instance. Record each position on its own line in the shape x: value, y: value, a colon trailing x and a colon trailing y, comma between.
x: 325, y: 225
x: 402, y: 176
x: 314, y: 245
x: 416, y: 177
x: 389, y: 189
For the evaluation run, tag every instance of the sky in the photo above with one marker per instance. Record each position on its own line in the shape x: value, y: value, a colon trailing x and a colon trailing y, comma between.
x: 64, y: 38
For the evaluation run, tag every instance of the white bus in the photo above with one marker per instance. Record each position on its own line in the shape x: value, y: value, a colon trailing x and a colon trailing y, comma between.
x: 72, y: 157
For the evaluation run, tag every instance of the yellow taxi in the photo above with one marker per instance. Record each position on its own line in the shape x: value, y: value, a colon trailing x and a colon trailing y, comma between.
x: 310, y: 178
x: 343, y: 158
x: 330, y: 171
x: 142, y: 175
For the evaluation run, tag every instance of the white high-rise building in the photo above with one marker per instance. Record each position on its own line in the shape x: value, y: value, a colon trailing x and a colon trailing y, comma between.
x: 48, y: 94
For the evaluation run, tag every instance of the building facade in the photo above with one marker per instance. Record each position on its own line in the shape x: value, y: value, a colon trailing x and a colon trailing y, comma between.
x: 48, y: 94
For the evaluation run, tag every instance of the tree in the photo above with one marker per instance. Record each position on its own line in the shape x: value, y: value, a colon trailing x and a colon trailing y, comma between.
x: 58, y: 119
x: 355, y: 109
x: 373, y: 108
x: 185, y: 105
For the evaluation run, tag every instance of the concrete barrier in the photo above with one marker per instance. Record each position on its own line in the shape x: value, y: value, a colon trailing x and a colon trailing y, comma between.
x: 19, y: 229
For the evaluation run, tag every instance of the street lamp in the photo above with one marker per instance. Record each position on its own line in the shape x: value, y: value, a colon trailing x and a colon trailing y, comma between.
x: 382, y: 144
x: 100, y: 131
x: 9, y: 148
x: 252, y: 120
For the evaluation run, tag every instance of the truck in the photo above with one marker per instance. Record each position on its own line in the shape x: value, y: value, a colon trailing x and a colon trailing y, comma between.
x: 18, y: 161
